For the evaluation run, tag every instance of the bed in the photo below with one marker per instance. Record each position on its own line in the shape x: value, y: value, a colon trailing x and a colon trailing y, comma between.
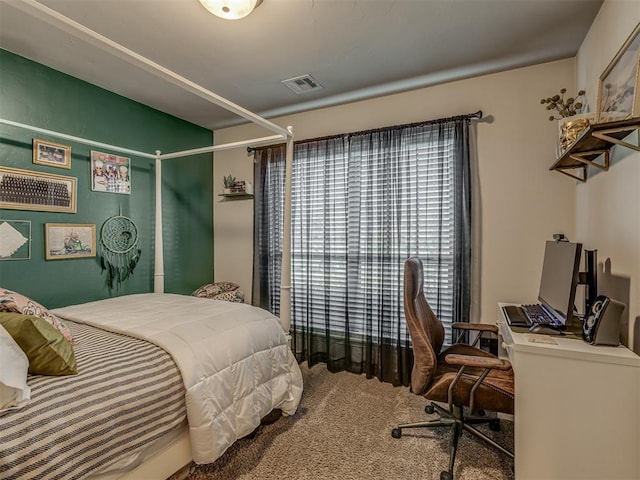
x: 151, y: 367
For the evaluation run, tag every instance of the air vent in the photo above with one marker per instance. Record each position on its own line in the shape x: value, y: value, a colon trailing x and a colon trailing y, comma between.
x: 302, y: 84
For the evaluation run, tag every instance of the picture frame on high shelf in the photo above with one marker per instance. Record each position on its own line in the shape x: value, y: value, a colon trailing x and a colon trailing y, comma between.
x: 15, y: 240
x: 51, y: 154
x: 69, y: 240
x: 110, y: 173
x: 618, y: 89
x: 31, y: 190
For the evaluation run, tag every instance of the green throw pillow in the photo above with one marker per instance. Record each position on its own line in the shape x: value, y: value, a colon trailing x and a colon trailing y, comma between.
x: 49, y: 353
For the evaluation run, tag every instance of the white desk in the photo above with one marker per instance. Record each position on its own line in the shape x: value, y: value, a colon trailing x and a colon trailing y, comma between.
x: 577, y: 408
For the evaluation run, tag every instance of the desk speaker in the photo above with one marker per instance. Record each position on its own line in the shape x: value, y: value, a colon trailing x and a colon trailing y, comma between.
x: 602, y: 324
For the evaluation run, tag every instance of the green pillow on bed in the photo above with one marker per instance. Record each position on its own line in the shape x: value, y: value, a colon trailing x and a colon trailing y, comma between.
x: 49, y: 353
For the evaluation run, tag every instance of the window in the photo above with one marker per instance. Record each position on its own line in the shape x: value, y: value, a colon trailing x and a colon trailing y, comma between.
x: 361, y: 204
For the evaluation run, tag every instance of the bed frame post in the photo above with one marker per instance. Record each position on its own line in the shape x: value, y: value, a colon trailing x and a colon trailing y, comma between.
x: 158, y: 276
x: 285, y: 276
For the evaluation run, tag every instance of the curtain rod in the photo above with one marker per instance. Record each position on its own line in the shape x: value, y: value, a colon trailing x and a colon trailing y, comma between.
x: 470, y: 116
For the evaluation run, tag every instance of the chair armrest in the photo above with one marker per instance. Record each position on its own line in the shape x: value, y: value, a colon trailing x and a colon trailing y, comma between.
x: 480, y: 327
x: 477, y: 362
x: 465, y: 361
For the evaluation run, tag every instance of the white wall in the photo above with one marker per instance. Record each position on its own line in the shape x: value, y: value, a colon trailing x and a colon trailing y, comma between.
x: 519, y: 202
x: 608, y: 204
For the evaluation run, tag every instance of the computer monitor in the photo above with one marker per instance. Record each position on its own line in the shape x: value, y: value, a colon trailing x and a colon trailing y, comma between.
x: 560, y: 276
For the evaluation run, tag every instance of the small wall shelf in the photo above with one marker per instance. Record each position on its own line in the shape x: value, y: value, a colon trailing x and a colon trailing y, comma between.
x: 595, y: 141
x: 236, y: 196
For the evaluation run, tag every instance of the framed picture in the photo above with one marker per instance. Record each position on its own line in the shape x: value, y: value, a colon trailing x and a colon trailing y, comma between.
x: 69, y: 240
x: 52, y: 154
x: 618, y: 88
x: 110, y: 173
x: 29, y: 190
x: 15, y: 239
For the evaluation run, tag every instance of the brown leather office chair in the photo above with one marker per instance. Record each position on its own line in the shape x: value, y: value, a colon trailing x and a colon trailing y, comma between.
x: 460, y: 376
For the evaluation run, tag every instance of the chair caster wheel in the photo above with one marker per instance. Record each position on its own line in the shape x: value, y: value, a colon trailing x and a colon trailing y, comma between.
x: 446, y: 476
x: 494, y: 425
x: 396, y: 433
x: 429, y: 409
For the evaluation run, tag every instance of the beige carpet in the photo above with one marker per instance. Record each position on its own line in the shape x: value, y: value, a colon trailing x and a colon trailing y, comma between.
x: 342, y: 430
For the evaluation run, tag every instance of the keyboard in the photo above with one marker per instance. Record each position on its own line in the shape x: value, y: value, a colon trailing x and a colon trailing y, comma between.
x: 527, y: 315
x: 537, y: 315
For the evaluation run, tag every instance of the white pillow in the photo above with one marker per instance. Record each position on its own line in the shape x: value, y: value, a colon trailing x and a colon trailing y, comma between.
x: 14, y: 391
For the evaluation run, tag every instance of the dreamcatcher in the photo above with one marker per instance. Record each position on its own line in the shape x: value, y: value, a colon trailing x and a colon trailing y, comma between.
x: 120, y: 249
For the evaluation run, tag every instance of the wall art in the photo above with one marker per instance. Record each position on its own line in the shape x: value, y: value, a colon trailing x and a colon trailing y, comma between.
x: 52, y: 154
x: 15, y: 239
x: 618, y: 87
x: 30, y: 190
x: 110, y: 173
x: 69, y: 240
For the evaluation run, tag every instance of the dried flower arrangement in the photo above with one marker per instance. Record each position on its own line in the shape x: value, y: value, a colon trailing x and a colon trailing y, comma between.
x: 565, y: 108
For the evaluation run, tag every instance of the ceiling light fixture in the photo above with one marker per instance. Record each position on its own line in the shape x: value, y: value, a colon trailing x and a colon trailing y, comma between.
x: 231, y: 9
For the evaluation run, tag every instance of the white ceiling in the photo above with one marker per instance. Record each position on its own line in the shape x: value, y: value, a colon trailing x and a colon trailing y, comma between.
x: 355, y: 48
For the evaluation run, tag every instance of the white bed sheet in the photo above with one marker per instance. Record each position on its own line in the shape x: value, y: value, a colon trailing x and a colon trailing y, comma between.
x: 234, y: 358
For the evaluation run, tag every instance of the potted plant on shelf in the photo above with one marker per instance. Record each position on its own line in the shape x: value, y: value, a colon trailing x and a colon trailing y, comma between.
x: 229, y: 182
x: 571, y: 120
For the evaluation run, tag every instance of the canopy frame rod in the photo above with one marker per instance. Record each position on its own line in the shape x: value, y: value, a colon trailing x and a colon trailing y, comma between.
x: 157, y: 156
x: 73, y: 138
x: 70, y: 26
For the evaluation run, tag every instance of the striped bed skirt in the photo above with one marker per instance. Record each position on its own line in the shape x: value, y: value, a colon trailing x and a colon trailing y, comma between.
x: 127, y: 394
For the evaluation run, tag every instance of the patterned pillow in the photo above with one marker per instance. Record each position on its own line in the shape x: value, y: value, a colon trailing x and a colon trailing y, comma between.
x: 234, y: 296
x: 227, y: 291
x: 14, y: 302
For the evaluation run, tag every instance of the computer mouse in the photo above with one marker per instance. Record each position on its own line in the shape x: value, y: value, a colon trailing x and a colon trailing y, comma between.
x: 545, y: 330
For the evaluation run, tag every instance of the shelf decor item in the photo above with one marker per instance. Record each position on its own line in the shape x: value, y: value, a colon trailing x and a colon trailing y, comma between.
x: 119, y: 249
x: 229, y: 181
x: 563, y: 107
x: 239, y: 186
x: 570, y: 128
x: 30, y: 190
x: 69, y: 240
x: 51, y: 154
x: 571, y: 122
x: 618, y: 87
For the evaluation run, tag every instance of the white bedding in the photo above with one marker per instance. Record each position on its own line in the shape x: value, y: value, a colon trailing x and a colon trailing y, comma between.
x: 234, y: 359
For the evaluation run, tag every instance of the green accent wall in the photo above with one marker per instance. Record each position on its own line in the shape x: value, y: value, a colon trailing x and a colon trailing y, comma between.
x: 33, y: 94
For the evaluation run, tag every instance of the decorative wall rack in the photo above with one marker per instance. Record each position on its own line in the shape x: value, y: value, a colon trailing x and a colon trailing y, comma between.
x: 595, y: 142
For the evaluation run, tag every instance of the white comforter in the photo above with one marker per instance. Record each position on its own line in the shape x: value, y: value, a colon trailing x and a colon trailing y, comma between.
x: 234, y: 358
